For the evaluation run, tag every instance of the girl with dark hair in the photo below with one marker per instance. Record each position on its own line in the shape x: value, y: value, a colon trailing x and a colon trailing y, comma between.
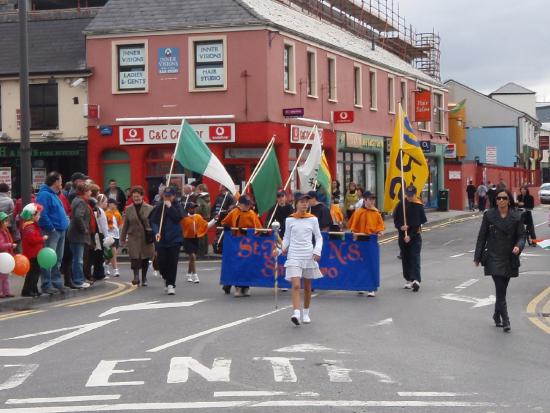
x: 499, y: 244
x: 527, y: 203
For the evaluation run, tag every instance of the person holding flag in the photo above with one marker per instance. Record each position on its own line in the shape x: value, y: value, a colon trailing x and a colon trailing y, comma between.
x: 407, y: 174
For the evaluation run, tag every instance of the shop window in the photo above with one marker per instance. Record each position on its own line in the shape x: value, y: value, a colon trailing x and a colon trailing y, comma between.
x: 357, y: 87
x: 391, y: 94
x: 131, y: 67
x: 357, y: 167
x: 438, y: 115
x: 289, y: 68
x: 116, y: 165
x: 332, y: 79
x: 159, y: 160
x: 207, y: 58
x: 373, y: 93
x: 311, y: 74
x: 43, y: 106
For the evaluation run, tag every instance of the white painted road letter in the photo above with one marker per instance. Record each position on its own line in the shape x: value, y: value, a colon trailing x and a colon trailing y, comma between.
x: 336, y: 372
x: 282, y: 368
x: 104, y: 370
x: 180, y: 366
x: 23, y: 373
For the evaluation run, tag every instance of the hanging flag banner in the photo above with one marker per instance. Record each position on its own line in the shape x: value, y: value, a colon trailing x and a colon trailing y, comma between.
x: 423, y: 106
x: 346, y: 264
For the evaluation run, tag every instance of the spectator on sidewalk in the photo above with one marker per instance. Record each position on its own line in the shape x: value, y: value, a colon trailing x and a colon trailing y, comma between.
x: 471, y: 191
x: 481, y: 196
x: 77, y: 178
x: 6, y: 245
x: 82, y: 225
x: 137, y: 234
x: 32, y: 241
x: 7, y: 206
x: 116, y: 193
x: 53, y: 223
x: 350, y: 199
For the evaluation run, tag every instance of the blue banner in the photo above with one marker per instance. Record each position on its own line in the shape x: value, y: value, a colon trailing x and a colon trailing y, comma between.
x: 168, y: 60
x: 346, y: 264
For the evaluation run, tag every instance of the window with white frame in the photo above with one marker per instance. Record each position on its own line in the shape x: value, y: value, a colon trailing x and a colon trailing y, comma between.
x: 373, y: 92
x: 289, y: 68
x: 391, y: 94
x: 332, y: 79
x: 439, y: 112
x: 131, y: 67
x: 404, y: 101
x: 357, y: 87
x: 311, y: 73
x: 209, y: 69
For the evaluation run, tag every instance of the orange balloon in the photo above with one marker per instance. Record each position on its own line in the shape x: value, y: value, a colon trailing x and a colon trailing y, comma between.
x: 22, y: 265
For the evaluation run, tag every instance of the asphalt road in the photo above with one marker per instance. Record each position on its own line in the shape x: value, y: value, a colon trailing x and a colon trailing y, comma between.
x: 432, y: 351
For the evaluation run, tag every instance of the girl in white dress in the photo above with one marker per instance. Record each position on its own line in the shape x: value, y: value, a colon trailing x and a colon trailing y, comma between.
x: 302, y: 255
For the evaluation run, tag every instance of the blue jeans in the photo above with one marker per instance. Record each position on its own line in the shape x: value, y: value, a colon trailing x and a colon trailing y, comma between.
x: 77, y: 249
x: 52, y: 277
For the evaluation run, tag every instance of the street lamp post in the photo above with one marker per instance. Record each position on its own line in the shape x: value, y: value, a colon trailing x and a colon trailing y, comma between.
x: 25, y: 146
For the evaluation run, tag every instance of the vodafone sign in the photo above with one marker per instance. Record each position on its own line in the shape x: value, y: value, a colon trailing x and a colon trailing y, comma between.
x: 157, y: 134
x: 344, y: 116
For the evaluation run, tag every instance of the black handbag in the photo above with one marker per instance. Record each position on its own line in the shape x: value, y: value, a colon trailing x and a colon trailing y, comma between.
x: 484, y: 257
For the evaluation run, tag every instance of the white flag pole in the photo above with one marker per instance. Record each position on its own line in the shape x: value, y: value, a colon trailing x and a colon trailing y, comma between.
x: 259, y: 164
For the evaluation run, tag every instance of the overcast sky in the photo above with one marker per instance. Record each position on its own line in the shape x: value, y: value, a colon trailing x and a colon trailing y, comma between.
x: 488, y: 43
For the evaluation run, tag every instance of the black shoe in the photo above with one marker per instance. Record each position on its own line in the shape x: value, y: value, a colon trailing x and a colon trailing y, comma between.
x: 506, y: 326
x: 144, y: 282
x: 226, y: 289
x: 497, y: 320
x: 415, y: 286
x: 295, y: 320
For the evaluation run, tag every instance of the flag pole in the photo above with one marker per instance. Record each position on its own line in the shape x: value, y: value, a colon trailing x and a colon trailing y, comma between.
x: 170, y: 178
x: 259, y: 165
x: 314, y: 128
x: 252, y: 176
x: 401, y: 120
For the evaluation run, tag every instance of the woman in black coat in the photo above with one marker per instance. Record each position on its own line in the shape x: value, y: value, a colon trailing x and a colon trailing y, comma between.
x: 499, y: 243
x: 527, y: 202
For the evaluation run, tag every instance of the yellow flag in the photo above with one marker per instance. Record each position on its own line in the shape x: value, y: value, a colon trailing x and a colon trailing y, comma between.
x: 414, y: 170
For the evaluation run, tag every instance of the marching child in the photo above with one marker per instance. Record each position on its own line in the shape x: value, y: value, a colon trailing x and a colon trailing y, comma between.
x: 33, y: 242
x: 193, y: 226
x: 114, y: 223
x: 302, y: 256
x: 367, y: 221
x: 6, y: 245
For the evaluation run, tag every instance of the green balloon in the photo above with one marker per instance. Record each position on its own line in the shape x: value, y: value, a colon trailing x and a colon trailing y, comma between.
x: 47, y: 258
x: 107, y: 253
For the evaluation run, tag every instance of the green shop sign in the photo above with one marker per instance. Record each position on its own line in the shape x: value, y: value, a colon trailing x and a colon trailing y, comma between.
x: 351, y: 140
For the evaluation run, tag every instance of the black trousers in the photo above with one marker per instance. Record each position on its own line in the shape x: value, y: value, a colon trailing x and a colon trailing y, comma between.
x: 410, y: 257
x: 168, y: 263
x: 30, y: 285
x: 481, y: 203
x: 501, y: 285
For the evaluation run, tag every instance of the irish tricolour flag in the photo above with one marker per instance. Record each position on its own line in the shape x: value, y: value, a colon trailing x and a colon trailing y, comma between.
x: 193, y: 154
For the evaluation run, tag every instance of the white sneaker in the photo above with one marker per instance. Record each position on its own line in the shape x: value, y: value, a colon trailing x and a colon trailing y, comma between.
x: 408, y: 286
x: 295, y: 318
x: 305, y: 317
x: 371, y: 294
x: 189, y: 277
x: 85, y: 285
x: 155, y: 273
x: 196, y: 278
x: 171, y: 290
x: 117, y: 274
x: 106, y: 270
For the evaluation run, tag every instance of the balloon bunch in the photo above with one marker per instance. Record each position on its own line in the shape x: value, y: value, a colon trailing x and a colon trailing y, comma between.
x: 20, y: 265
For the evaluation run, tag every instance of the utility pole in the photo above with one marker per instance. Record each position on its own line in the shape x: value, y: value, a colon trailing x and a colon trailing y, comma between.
x: 25, y: 146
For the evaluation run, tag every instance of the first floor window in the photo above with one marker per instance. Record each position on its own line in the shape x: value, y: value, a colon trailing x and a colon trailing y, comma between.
x: 357, y: 86
x: 209, y: 64
x: 132, y: 67
x: 43, y: 105
x: 331, y: 78
x: 439, y: 110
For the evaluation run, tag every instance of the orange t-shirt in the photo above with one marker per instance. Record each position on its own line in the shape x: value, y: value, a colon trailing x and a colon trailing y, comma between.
x: 366, y: 221
x: 113, y: 215
x: 242, y: 219
x: 194, y: 226
x: 336, y: 214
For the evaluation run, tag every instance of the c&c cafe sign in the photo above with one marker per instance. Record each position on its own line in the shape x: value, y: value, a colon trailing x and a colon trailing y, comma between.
x: 159, y: 134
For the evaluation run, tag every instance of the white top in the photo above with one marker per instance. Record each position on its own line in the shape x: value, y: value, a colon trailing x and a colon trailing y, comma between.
x: 113, y: 232
x: 298, y: 236
x: 102, y: 225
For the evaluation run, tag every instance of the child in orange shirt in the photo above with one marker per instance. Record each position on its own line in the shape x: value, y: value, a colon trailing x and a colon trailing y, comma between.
x: 114, y: 224
x: 193, y: 226
x: 336, y: 213
x: 367, y: 221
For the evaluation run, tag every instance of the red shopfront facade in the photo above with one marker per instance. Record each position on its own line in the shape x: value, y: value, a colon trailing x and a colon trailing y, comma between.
x: 140, y: 154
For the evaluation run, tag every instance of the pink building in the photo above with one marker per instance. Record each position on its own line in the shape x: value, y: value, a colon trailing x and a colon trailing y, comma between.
x: 238, y: 67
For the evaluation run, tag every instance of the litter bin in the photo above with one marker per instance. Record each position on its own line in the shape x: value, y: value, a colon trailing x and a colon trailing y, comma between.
x: 443, y: 200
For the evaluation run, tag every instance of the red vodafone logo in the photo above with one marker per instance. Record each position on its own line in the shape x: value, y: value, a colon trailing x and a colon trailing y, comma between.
x: 133, y: 134
x: 219, y: 133
x: 344, y: 116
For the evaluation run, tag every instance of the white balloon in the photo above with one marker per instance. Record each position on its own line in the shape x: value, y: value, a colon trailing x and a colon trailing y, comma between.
x: 7, y: 263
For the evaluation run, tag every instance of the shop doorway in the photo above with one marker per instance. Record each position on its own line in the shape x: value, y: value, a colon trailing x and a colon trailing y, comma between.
x: 429, y: 194
x: 116, y: 165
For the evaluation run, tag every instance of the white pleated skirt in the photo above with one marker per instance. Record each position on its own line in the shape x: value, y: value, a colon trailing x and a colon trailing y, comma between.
x: 305, y: 268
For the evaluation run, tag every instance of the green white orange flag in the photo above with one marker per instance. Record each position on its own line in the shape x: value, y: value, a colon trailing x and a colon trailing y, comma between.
x: 266, y: 182
x: 407, y: 164
x: 323, y: 177
x: 193, y: 154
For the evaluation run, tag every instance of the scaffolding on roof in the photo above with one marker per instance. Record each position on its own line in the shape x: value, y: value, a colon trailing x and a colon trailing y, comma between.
x: 380, y: 22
